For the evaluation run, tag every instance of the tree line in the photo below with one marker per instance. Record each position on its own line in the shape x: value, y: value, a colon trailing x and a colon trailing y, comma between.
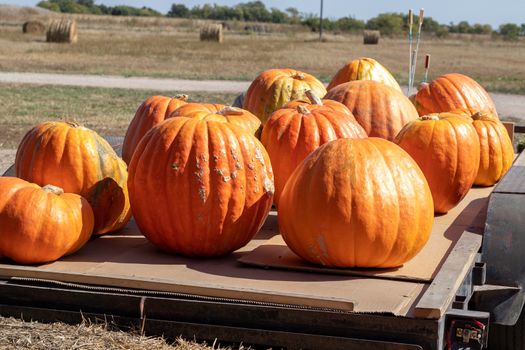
x: 390, y: 24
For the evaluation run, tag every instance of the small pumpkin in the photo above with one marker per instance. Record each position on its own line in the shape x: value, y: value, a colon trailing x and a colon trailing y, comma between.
x: 150, y: 113
x: 79, y: 161
x: 207, y: 111
x: 314, y: 101
x: 41, y: 224
x: 356, y: 203
x: 381, y: 110
x: 273, y: 88
x: 446, y: 148
x: 200, y: 187
x: 497, y: 152
x: 451, y: 92
x: 299, y: 128
x: 364, y: 68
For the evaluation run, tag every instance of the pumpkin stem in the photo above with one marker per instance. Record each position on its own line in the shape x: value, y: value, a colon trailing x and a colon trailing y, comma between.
x: 72, y: 123
x: 53, y: 189
x: 478, y: 115
x: 313, y: 98
x: 302, y: 109
x: 298, y: 76
x: 229, y: 110
x: 429, y: 117
x: 182, y: 97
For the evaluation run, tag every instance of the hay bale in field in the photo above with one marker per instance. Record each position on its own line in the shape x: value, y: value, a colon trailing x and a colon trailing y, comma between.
x: 371, y: 37
x: 62, y: 31
x: 212, y: 32
x: 34, y: 27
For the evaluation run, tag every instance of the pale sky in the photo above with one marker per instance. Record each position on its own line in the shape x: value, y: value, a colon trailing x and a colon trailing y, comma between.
x: 445, y: 11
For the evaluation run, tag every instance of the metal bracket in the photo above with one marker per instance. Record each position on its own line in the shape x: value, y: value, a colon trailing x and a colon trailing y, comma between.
x: 466, y: 330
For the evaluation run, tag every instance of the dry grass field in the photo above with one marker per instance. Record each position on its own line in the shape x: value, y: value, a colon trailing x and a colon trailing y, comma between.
x: 107, y: 111
x: 165, y: 47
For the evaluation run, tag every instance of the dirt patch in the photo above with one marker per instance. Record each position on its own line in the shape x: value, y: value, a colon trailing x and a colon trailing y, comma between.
x: 7, y: 158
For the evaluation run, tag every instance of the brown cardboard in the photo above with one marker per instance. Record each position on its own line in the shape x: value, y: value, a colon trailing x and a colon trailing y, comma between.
x: 422, y: 268
x: 128, y: 260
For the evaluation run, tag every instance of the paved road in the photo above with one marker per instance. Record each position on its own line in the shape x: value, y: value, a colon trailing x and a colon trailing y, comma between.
x: 509, y: 106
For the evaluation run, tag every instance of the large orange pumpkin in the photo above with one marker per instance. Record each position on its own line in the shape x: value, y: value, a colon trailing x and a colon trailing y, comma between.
x: 200, y: 188
x: 207, y: 111
x: 39, y: 225
x: 450, y: 92
x: 150, y: 113
x: 356, y: 203
x: 299, y: 128
x: 497, y: 152
x: 275, y: 87
x: 78, y: 160
x: 446, y: 148
x: 364, y: 68
x: 381, y: 110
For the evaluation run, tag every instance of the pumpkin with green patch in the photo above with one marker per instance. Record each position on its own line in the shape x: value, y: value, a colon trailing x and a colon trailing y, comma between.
x: 78, y: 160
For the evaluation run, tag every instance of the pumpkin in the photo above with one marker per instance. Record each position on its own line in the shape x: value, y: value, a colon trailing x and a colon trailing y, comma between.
x: 381, y: 110
x: 200, y: 187
x: 364, y: 68
x: 79, y: 161
x: 273, y: 88
x: 446, y: 148
x: 356, y: 203
x: 496, y: 150
x: 150, y: 113
x: 207, y: 111
x: 293, y: 132
x: 41, y: 224
x: 450, y: 92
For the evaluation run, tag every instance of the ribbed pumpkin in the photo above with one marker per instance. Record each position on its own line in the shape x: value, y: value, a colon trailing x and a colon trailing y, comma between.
x: 207, y: 111
x: 450, y: 92
x: 39, y: 225
x: 356, y: 203
x: 274, y: 88
x: 79, y: 161
x: 292, y: 133
x: 364, y: 68
x: 497, y: 152
x: 200, y: 188
x: 150, y: 113
x: 381, y: 110
x: 446, y: 148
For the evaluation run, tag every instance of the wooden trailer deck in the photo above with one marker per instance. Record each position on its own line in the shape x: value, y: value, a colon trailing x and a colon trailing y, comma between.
x: 265, y: 271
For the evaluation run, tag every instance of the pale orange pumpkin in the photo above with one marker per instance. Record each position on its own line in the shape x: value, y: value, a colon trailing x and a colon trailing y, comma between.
x: 150, y: 113
x: 356, y: 203
x: 273, y: 88
x: 497, y: 152
x: 299, y: 128
x: 79, y: 161
x: 207, y: 111
x: 446, y: 148
x: 200, y: 188
x: 381, y: 110
x: 450, y: 92
x: 364, y: 68
x: 39, y: 225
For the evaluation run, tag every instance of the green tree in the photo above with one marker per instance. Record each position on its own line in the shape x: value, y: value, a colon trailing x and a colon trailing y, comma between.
x: 178, y: 10
x: 510, y: 31
x: 387, y: 23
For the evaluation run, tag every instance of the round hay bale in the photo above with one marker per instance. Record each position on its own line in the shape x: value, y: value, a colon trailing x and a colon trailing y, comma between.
x: 62, y: 31
x: 371, y: 37
x: 34, y: 27
x: 212, y: 32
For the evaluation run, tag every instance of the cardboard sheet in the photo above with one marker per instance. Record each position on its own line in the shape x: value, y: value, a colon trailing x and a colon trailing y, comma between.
x: 422, y: 268
x: 128, y: 260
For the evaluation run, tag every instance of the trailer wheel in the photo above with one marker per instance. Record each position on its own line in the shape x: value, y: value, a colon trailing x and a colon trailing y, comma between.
x: 508, y: 337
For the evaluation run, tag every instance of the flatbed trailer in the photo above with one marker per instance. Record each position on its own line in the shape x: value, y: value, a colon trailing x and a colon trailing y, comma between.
x: 468, y: 279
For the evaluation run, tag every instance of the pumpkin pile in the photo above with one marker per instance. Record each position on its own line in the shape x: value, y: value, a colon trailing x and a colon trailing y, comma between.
x: 359, y: 170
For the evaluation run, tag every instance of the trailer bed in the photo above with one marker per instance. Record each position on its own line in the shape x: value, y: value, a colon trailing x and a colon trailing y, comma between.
x: 128, y: 260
